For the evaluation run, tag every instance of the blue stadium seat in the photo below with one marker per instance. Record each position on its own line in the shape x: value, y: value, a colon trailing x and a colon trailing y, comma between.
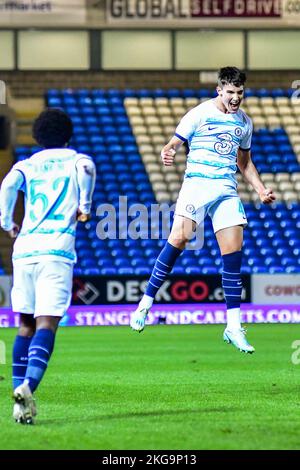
x: 78, y: 271
x: 55, y: 102
x: 53, y: 92
x: 108, y: 271
x: 125, y: 271
x: 259, y: 269
x: 173, y: 93
x: 203, y: 93
x: 276, y: 270
x: 91, y: 272
x: 113, y: 93
x: 262, y: 92
x: 144, y: 93
x: 278, y: 92
x: 129, y: 93
x: 209, y: 270
x: 116, y: 100
x: 142, y: 271
x: 100, y: 100
x: 293, y: 168
x: 249, y: 92
x: 245, y: 270
x: 188, y: 93
x: 158, y: 93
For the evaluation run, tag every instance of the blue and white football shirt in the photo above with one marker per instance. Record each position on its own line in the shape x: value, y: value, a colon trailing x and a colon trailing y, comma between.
x: 50, y: 181
x: 214, y: 138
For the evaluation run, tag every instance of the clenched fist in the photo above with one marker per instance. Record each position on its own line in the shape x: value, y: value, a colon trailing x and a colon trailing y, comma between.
x: 167, y: 156
x: 267, y: 196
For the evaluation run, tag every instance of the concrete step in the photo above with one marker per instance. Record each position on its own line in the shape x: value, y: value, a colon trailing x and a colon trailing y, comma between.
x: 25, y: 139
x: 25, y: 122
x: 26, y: 130
x: 6, y: 162
x: 27, y: 106
x: 6, y: 246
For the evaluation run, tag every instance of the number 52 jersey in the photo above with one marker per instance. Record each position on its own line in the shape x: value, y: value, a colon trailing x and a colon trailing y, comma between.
x: 51, y: 201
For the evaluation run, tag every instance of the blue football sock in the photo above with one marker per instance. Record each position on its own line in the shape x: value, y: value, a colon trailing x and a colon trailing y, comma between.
x: 231, y: 279
x: 20, y: 359
x: 162, y: 268
x: 40, y: 352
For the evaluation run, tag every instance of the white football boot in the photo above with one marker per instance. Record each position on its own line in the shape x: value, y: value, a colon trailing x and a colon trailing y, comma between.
x: 237, y: 337
x: 138, y: 319
x: 24, y: 409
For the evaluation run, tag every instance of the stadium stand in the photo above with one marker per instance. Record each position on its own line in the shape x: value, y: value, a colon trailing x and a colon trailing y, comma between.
x: 124, y: 132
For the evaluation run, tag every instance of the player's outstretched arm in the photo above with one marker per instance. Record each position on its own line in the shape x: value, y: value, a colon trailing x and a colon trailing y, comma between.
x: 168, y: 152
x: 8, y: 197
x: 86, y: 176
x: 250, y: 174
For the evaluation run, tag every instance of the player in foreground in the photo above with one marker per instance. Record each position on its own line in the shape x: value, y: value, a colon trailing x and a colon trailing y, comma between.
x: 219, y: 135
x: 58, y: 184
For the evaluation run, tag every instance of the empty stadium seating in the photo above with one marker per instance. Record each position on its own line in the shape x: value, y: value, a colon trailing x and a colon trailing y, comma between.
x: 125, y: 130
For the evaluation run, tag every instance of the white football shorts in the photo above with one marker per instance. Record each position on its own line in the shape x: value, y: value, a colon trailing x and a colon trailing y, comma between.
x: 42, y: 289
x: 216, y: 197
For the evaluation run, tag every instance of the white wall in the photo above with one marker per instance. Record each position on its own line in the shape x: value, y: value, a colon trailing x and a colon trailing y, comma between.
x: 7, y: 60
x: 274, y: 50
x: 209, y: 49
x: 134, y: 50
x: 53, y: 50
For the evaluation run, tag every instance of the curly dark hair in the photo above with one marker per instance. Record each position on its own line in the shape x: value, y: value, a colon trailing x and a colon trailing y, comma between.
x: 53, y: 128
x: 232, y: 76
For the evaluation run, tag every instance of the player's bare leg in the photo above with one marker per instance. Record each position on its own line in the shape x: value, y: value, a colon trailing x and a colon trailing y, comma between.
x: 181, y: 233
x: 230, y: 241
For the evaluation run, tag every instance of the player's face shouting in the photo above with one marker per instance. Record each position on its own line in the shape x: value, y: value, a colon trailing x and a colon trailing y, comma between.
x: 231, y: 97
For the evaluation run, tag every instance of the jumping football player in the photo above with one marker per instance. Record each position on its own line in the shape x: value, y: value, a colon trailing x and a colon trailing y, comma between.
x: 218, y: 134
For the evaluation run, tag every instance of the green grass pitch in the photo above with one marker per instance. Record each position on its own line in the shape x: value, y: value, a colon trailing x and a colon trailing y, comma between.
x: 171, y: 387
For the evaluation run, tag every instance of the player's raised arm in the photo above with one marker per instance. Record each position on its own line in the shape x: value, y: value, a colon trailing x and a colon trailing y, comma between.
x: 86, y: 176
x: 168, y: 152
x: 250, y: 174
x: 10, y: 186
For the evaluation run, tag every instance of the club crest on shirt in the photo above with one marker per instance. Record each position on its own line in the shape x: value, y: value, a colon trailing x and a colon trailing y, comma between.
x: 190, y: 209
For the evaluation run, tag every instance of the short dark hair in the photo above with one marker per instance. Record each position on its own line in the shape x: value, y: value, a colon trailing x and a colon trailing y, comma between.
x: 232, y: 76
x: 53, y: 128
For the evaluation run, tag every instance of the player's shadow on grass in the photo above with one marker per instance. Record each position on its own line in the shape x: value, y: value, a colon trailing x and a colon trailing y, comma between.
x: 143, y: 414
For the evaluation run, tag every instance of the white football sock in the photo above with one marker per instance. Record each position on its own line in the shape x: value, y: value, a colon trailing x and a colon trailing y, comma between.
x: 233, y: 318
x: 146, y: 302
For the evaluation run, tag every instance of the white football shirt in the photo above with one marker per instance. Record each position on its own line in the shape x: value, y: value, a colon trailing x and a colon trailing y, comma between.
x: 51, y: 184
x: 214, y: 138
